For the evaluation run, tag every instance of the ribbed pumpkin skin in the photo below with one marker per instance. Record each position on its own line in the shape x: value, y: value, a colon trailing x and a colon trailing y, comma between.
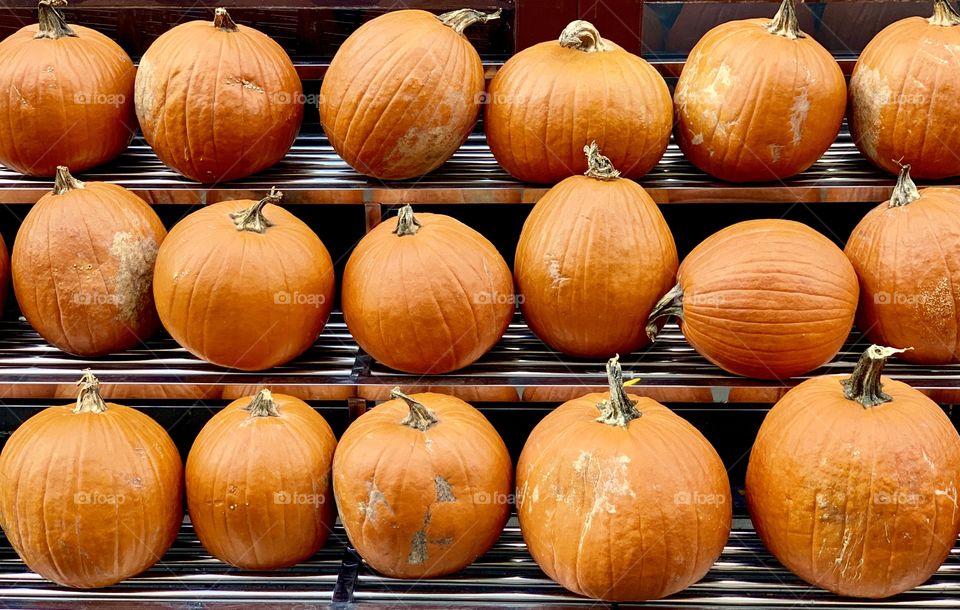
x: 421, y: 504
x: 768, y: 299
x: 594, y: 257
x: 83, y: 269
x: 69, y: 101
x: 903, y: 94
x: 408, y: 123
x: 230, y: 297
x: 858, y: 501
x: 611, y: 97
x: 216, y: 105
x: 618, y: 513
x: 432, y: 302
x: 907, y: 259
x: 752, y: 105
x: 57, y: 472
x: 258, y: 488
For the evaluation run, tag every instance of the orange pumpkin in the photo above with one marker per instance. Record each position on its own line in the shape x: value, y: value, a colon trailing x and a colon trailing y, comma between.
x: 758, y: 99
x: 426, y: 294
x: 594, y: 257
x: 218, y: 101
x: 768, y: 299
x: 852, y: 484
x: 603, y: 93
x: 69, y: 96
x: 309, y: 392
x: 634, y: 504
x: 470, y: 394
x: 265, y: 299
x: 407, y: 124
x: 903, y: 95
x: 90, y: 493
x: 258, y: 482
x: 83, y: 266
x: 422, y: 483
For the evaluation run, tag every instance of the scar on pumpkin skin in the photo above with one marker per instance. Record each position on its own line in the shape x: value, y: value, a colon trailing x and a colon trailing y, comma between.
x: 369, y: 508
x: 444, y: 490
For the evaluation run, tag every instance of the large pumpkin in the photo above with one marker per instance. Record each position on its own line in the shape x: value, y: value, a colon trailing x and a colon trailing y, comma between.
x: 620, y: 499
x: 403, y: 92
x: 426, y: 294
x: 594, y: 257
x: 83, y: 266
x: 764, y: 298
x: 218, y: 101
x: 422, y: 483
x: 90, y: 493
x: 758, y: 99
x: 852, y: 484
x: 258, y: 482
x: 903, y: 95
x: 550, y: 100
x: 264, y: 299
x: 69, y: 96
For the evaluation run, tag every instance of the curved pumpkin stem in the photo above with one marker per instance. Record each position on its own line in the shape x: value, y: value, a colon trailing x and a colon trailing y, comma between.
x: 65, y: 182
x: 53, y: 25
x: 223, y: 22
x: 420, y: 417
x: 89, y: 399
x: 671, y: 304
x: 944, y: 14
x: 262, y: 405
x: 905, y: 190
x: 582, y: 36
x: 785, y: 22
x: 864, y: 385
x: 252, y: 219
x: 598, y: 166
x: 407, y: 223
x: 619, y: 409
x: 461, y: 19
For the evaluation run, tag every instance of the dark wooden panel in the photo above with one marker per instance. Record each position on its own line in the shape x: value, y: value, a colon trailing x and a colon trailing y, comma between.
x: 616, y: 21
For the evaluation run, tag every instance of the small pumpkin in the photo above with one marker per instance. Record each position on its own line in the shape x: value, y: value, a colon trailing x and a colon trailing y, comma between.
x: 601, y: 91
x: 258, y: 482
x: 768, y: 299
x: 91, y: 492
x: 83, y: 266
x: 309, y: 392
x: 426, y: 294
x: 265, y: 299
x: 864, y: 471
x: 410, y: 123
x: 903, y: 95
x: 758, y: 99
x: 470, y: 393
x: 621, y: 499
x: 422, y: 484
x: 69, y: 96
x: 218, y: 101
x: 594, y: 257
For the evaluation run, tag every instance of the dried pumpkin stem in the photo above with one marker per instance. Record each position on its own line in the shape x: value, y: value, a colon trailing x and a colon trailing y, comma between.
x: 52, y: 23
x: 619, y: 409
x: 905, y: 190
x: 463, y: 18
x: 64, y: 182
x: 582, y: 36
x: 223, y: 22
x: 864, y: 385
x: 262, y: 405
x: 598, y: 166
x: 407, y: 223
x: 944, y: 14
x: 420, y: 417
x: 252, y: 219
x: 785, y: 22
x: 89, y: 399
x: 670, y: 305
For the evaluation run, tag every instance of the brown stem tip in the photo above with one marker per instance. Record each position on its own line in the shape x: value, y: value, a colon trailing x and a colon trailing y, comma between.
x: 864, y: 385
x: 619, y: 409
x: 252, y: 219
x: 598, y: 166
x: 944, y: 15
x: 905, y: 190
x: 407, y: 223
x: 419, y: 417
x: 89, y: 399
x: 223, y: 22
x: 262, y: 405
x: 53, y: 25
x: 463, y: 18
x: 582, y: 36
x: 785, y: 22
x: 671, y: 304
x: 64, y: 182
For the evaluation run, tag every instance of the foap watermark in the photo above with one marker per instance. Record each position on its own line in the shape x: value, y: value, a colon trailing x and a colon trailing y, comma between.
x: 97, y: 497
x: 495, y: 497
x: 898, y: 498
x: 296, y: 498
x: 114, y: 100
x: 299, y: 298
x: 697, y: 498
x: 900, y: 298
x: 703, y: 300
x: 497, y: 298
x: 96, y: 298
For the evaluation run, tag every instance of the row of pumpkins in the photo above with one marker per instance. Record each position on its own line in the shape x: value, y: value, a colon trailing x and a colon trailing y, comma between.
x: 618, y: 497
x: 757, y: 99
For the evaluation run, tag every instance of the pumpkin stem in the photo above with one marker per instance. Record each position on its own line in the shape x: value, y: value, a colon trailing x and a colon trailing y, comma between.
x: 461, y: 19
x: 64, y: 182
x: 785, y: 22
x: 582, y: 36
x: 223, y: 22
x: 262, y: 405
x: 619, y: 409
x: 905, y: 190
x: 52, y: 23
x: 89, y: 399
x: 420, y: 417
x: 944, y: 14
x: 864, y: 385
x: 407, y: 223
x: 252, y: 219
x: 598, y: 166
x: 670, y: 305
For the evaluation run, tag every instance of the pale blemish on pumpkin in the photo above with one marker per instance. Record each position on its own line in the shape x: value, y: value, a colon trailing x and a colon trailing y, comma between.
x: 249, y: 85
x: 134, y: 280
x: 775, y: 151
x: 798, y: 115
x: 609, y: 483
x: 444, y: 490
x: 557, y: 279
x: 369, y: 508
x: 23, y: 100
x: 933, y: 307
x: 950, y: 493
x: 418, y: 544
x: 697, y: 139
x: 872, y: 94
